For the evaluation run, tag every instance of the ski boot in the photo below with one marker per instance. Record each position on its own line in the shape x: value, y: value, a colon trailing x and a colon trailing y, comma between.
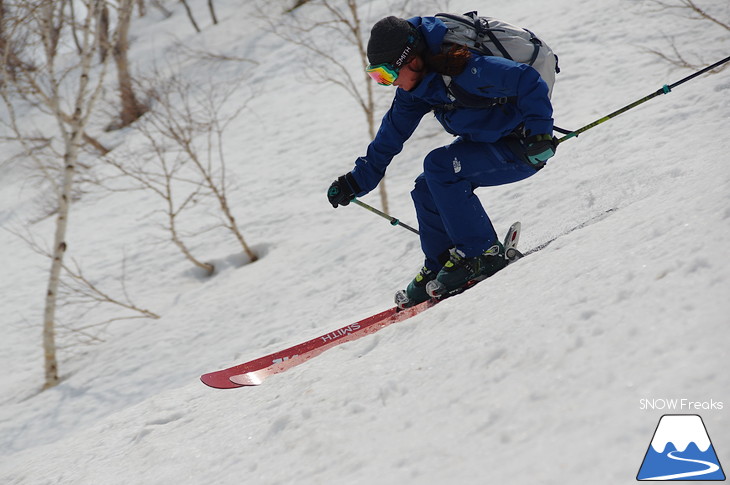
x: 459, y: 270
x: 415, y: 293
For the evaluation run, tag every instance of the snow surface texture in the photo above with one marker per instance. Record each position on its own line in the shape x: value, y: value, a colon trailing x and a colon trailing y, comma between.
x: 533, y: 377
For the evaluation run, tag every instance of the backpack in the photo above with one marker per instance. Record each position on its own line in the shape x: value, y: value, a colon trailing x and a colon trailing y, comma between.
x: 493, y: 37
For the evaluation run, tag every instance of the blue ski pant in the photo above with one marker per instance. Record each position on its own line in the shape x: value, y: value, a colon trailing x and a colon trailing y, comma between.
x: 449, y: 213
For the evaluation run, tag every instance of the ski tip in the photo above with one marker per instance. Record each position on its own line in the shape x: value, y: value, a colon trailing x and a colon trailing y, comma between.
x: 249, y: 379
x: 217, y: 380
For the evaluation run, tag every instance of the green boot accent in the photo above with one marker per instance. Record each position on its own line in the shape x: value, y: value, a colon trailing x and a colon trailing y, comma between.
x: 416, y: 291
x: 459, y: 270
x: 493, y: 260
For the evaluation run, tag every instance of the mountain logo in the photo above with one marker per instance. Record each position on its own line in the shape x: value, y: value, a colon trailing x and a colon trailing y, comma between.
x: 681, y: 450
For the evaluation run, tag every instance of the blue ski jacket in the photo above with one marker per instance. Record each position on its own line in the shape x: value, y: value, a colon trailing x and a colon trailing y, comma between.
x: 484, y: 77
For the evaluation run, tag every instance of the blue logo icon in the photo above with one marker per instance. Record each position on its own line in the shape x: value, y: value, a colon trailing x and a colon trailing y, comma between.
x: 681, y: 450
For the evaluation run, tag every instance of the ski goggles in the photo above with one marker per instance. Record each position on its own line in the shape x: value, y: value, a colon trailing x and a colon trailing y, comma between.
x: 386, y: 73
x: 383, y: 74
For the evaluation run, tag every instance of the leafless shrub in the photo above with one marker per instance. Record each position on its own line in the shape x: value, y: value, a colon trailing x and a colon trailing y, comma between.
x: 188, y: 52
x: 693, y: 10
x: 81, y: 298
x: 182, y: 160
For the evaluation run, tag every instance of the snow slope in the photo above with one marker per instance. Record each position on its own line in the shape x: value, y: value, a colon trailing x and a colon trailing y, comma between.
x: 532, y: 377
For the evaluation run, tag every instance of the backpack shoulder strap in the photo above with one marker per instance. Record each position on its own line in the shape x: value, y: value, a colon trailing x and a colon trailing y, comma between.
x: 470, y: 21
x: 481, y: 26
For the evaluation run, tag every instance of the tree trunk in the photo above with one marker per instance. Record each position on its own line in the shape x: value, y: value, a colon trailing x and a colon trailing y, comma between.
x: 132, y: 109
x: 59, y: 251
x: 72, y: 130
x: 103, y: 33
x: 369, y: 101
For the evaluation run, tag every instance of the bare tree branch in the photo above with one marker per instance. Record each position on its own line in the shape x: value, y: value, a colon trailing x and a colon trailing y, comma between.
x: 78, y: 291
x: 190, y: 15
x: 688, y: 9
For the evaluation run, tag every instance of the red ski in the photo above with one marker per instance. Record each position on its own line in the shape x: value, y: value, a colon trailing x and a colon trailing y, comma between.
x: 256, y: 371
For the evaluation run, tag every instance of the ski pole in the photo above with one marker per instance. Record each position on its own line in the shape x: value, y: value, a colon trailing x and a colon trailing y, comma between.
x: 393, y: 220
x: 664, y: 90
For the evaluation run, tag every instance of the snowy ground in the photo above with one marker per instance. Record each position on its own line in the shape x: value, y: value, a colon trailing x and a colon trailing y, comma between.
x: 534, y: 377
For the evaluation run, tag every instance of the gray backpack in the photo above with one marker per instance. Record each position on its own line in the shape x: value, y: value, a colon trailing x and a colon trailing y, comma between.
x: 494, y: 37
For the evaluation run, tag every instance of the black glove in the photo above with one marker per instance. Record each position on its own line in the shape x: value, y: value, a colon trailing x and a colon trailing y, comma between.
x: 539, y: 148
x: 343, y: 190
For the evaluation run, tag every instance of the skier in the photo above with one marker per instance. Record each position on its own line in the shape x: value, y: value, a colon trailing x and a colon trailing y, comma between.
x: 500, y: 112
